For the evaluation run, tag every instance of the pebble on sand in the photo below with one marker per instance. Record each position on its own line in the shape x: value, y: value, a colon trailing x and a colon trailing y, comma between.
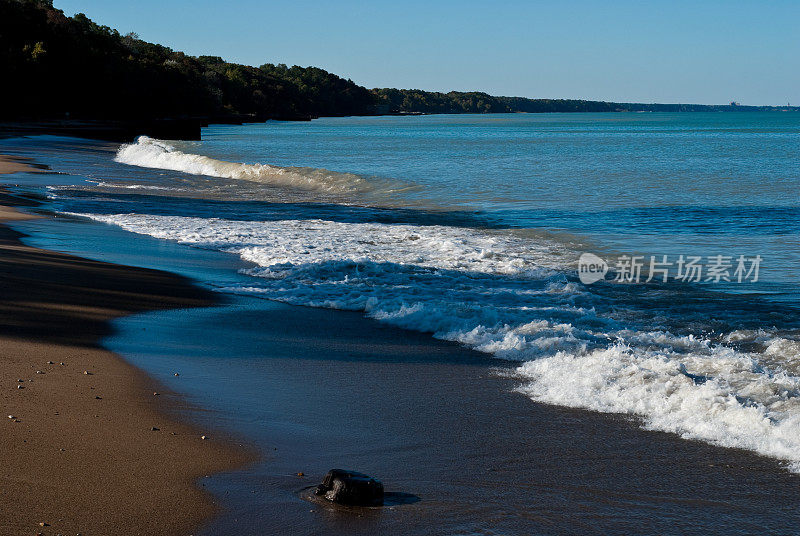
x: 203, y: 437
x: 87, y: 372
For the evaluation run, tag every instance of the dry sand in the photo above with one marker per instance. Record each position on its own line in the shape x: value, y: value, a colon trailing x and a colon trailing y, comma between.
x: 90, y: 448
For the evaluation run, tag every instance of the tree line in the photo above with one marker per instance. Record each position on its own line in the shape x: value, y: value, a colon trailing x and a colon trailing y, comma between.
x: 55, y: 66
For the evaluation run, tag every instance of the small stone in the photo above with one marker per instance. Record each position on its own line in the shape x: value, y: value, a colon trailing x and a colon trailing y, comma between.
x: 203, y: 437
x: 154, y: 429
x: 301, y: 474
x: 20, y: 380
x: 98, y: 398
x: 43, y: 524
x: 155, y: 394
x: 87, y: 372
x: 176, y: 374
x: 62, y: 363
x: 39, y: 372
x: 20, y: 387
x: 49, y: 362
x: 11, y: 417
x: 351, y: 488
x: 61, y: 450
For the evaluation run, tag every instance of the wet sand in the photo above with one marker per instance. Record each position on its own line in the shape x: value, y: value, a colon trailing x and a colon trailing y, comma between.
x: 16, y: 164
x: 318, y: 389
x: 90, y: 448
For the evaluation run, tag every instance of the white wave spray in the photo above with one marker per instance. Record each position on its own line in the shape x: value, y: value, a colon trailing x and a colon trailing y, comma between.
x: 504, y: 294
x: 158, y: 154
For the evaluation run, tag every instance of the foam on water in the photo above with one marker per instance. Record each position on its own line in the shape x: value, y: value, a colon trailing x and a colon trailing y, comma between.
x: 508, y: 295
x: 104, y: 184
x: 715, y: 394
x: 153, y: 153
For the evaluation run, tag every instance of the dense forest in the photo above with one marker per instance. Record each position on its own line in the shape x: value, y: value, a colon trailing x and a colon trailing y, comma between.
x: 56, y: 66
x: 413, y: 101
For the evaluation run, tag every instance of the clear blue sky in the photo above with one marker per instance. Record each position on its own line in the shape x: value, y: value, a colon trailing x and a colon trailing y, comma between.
x: 679, y: 51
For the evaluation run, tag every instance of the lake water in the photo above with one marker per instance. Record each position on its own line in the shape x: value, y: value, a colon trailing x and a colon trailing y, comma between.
x: 470, y: 228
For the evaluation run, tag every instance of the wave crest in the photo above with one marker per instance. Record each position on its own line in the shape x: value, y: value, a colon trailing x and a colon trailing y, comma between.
x: 152, y: 153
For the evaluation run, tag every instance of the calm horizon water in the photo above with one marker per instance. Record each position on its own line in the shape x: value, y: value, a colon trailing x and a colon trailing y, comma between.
x: 470, y: 228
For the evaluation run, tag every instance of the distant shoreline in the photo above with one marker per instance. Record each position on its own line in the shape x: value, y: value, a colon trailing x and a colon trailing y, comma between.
x: 190, y: 129
x: 121, y: 86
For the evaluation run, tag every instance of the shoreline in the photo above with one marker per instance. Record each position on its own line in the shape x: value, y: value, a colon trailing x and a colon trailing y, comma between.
x: 92, y: 453
x: 316, y: 388
x: 438, y: 423
x: 17, y: 164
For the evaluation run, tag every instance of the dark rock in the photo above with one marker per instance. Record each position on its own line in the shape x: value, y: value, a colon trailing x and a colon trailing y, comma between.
x: 351, y: 488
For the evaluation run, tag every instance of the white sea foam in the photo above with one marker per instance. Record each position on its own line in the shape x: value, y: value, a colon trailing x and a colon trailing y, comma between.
x: 129, y: 186
x: 273, y: 244
x: 152, y: 153
x: 506, y: 295
x: 728, y: 400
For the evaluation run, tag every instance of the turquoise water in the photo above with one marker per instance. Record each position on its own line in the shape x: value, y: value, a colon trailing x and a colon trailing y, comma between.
x: 692, y: 184
x: 469, y: 228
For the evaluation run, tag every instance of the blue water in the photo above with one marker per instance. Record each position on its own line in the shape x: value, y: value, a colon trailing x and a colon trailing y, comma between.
x: 469, y: 228
x: 697, y: 184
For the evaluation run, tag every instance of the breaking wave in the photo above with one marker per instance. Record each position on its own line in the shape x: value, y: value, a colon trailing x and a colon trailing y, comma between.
x: 151, y: 153
x: 510, y: 296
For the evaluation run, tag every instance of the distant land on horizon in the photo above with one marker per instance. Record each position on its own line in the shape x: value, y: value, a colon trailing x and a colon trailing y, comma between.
x: 70, y: 67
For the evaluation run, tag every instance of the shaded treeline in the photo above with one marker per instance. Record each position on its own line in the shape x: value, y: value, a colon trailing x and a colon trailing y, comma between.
x: 418, y: 101
x: 54, y: 66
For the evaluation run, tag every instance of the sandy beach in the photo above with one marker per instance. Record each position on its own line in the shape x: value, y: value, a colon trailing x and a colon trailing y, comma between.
x: 15, y: 164
x: 88, y: 446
